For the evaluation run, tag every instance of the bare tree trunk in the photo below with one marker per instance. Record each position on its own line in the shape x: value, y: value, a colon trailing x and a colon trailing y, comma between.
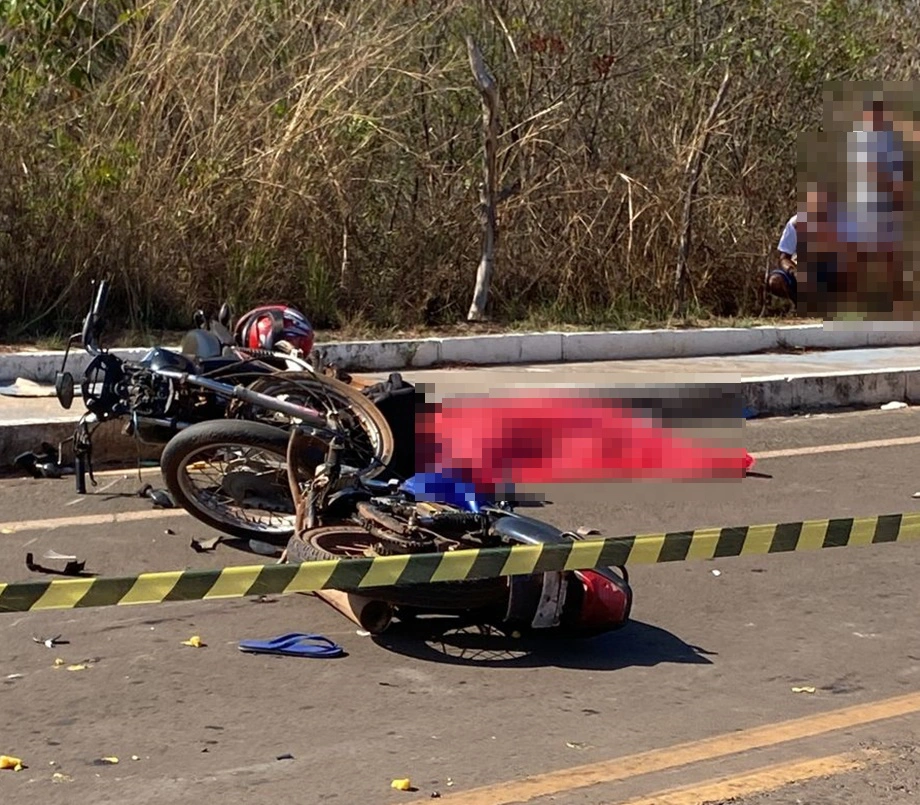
x: 694, y: 167
x: 487, y: 195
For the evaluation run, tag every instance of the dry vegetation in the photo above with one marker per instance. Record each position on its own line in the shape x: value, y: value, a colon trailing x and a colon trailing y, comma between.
x: 327, y: 151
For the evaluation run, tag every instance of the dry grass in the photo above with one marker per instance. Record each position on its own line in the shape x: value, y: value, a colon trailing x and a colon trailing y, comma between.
x: 326, y: 152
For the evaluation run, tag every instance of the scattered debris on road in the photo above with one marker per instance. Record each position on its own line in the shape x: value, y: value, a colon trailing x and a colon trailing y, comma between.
x: 804, y: 689
x: 44, y: 464
x: 160, y: 498
x: 404, y: 784
x: 295, y: 644
x: 264, y: 548
x: 285, y: 756
x: 106, y: 761
x: 194, y: 641
x: 72, y: 568
x: 50, y: 642
x: 10, y: 762
x: 894, y: 405
x: 204, y: 545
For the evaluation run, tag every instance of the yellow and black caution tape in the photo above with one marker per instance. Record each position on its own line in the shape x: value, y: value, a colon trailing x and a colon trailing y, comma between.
x: 357, y: 574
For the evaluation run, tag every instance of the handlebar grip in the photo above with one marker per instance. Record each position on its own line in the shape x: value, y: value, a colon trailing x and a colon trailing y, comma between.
x: 80, y: 474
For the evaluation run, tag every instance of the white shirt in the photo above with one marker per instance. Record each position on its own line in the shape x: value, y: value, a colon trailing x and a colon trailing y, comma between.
x: 788, y: 242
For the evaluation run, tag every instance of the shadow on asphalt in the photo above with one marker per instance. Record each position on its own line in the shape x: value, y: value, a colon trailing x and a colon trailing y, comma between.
x: 635, y: 645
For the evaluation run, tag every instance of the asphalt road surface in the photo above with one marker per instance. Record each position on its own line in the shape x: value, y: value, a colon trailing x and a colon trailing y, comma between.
x: 692, y: 703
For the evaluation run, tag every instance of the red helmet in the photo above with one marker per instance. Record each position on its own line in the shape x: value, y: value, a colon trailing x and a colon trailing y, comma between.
x: 263, y: 327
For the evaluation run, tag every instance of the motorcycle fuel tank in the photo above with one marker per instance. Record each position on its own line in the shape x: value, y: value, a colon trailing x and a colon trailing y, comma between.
x: 158, y: 359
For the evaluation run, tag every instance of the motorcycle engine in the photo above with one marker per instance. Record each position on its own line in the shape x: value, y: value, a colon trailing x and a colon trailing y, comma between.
x: 147, y: 393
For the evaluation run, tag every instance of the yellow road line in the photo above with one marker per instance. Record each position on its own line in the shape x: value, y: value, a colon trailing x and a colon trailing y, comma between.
x: 901, y: 441
x: 672, y: 757
x: 759, y: 781
x: 17, y: 526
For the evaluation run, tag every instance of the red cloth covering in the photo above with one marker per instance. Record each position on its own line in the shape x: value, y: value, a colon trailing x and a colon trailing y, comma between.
x: 553, y: 439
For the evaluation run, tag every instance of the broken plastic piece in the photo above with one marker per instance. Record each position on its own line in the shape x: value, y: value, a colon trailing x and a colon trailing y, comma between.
x: 804, y: 689
x: 72, y: 568
x: 49, y: 642
x: 10, y: 762
x: 194, y: 641
x: 106, y: 761
x: 160, y: 498
x: 54, y: 556
x: 77, y: 667
x: 402, y: 785
x: 263, y: 548
x: 202, y: 545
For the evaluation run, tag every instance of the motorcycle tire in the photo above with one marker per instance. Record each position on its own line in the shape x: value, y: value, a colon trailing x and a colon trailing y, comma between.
x: 182, y: 449
x: 371, y: 420
x: 438, y: 597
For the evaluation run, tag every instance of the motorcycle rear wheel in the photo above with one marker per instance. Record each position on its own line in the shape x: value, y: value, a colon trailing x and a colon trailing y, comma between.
x: 352, y: 542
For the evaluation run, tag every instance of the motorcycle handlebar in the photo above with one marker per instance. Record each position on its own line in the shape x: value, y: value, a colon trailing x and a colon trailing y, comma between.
x: 307, y: 415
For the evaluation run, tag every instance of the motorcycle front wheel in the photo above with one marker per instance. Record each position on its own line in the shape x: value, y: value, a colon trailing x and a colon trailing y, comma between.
x: 232, y: 476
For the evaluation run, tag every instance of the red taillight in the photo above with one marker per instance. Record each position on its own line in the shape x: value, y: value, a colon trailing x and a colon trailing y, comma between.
x: 605, y: 604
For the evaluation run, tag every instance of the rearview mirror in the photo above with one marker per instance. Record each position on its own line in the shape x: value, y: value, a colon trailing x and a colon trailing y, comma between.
x: 64, y: 389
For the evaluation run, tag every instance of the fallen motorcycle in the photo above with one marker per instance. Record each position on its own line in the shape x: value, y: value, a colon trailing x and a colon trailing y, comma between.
x: 342, y: 515
x: 214, y: 383
x: 232, y: 475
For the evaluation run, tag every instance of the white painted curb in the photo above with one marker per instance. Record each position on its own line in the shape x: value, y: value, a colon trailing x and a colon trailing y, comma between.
x: 517, y: 348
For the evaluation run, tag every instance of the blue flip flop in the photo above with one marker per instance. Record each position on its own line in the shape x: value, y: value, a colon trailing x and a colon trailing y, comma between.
x: 295, y: 644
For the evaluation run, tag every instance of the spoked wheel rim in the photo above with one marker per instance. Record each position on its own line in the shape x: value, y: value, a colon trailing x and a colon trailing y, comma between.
x: 369, y: 445
x: 343, y: 542
x: 240, y: 485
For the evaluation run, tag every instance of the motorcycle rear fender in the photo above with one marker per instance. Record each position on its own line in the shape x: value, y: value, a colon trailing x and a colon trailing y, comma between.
x: 525, y: 590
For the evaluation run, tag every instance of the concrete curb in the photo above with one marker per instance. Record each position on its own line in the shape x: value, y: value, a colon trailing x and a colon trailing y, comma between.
x: 763, y: 396
x: 553, y: 347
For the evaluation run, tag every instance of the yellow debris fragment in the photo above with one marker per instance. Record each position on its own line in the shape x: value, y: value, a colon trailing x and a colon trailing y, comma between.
x: 77, y: 667
x: 9, y: 762
x: 402, y: 785
x: 194, y: 641
x: 58, y: 662
x: 111, y: 759
x: 804, y: 689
